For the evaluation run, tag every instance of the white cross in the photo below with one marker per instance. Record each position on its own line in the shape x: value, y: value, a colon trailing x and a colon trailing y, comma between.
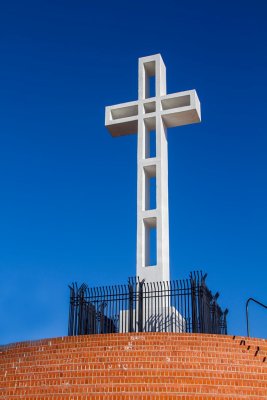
x: 146, y: 116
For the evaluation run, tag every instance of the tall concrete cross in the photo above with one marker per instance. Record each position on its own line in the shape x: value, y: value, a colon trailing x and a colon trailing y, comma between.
x: 150, y: 116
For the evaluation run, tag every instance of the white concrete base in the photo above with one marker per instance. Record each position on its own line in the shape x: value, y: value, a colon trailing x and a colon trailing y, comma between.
x: 168, y: 319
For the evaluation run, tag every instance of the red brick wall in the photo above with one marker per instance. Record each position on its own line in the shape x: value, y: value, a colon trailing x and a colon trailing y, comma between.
x: 135, y: 366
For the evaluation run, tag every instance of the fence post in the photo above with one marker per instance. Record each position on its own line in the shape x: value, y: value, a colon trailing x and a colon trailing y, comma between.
x: 201, y: 305
x: 215, y: 314
x: 204, y: 305
x: 224, y: 322
x: 71, y: 311
x: 131, y: 304
x: 80, y: 315
x: 194, y: 304
x: 140, y: 306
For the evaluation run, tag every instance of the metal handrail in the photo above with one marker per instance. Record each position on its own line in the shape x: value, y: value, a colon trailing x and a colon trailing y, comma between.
x: 247, y: 303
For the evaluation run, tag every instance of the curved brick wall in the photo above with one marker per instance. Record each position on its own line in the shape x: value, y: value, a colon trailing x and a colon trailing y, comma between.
x: 135, y: 366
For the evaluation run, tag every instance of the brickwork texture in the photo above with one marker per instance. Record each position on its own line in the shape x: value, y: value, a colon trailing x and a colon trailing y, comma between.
x: 135, y: 366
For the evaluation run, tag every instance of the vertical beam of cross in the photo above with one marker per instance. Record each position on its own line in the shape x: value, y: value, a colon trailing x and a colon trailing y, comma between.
x: 150, y: 116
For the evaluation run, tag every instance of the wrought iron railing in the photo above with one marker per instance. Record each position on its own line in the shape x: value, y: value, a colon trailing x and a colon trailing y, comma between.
x: 175, y: 306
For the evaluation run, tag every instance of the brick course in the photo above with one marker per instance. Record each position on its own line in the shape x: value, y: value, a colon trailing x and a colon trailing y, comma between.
x: 135, y: 366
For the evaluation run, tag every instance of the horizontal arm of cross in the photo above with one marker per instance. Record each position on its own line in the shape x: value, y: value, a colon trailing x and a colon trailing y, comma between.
x: 122, y: 119
x: 175, y: 109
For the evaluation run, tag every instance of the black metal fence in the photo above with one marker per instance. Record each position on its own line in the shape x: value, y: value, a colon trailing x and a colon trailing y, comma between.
x: 175, y: 306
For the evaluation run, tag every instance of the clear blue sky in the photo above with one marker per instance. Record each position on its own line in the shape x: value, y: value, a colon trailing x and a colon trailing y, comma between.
x: 68, y: 190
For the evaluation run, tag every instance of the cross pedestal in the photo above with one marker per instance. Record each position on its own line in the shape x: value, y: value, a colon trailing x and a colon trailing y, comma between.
x: 150, y: 117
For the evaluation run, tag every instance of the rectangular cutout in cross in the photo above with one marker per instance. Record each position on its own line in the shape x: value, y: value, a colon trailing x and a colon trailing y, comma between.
x: 150, y: 188
x: 150, y: 143
x: 175, y: 102
x: 150, y: 80
x: 124, y: 112
x: 150, y: 225
x: 152, y: 86
x: 149, y: 107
